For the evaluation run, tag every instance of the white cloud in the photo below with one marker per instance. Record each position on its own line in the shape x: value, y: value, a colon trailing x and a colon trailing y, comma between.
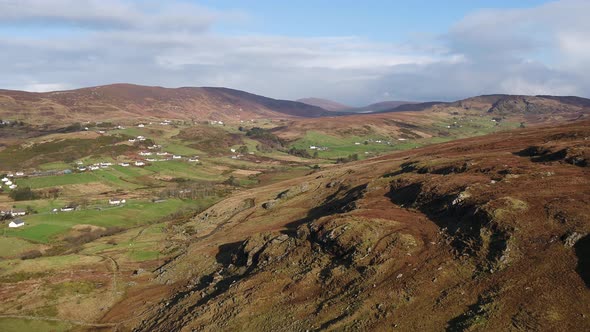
x: 532, y: 50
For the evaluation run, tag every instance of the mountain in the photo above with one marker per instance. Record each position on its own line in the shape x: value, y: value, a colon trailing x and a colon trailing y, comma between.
x: 486, y: 233
x: 128, y: 101
x: 326, y: 104
x: 383, y: 106
x: 445, y: 120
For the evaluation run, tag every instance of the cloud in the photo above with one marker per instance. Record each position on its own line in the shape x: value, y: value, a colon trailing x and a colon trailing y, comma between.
x: 540, y: 50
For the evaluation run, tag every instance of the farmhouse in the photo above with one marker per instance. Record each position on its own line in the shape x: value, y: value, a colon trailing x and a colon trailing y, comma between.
x: 18, y: 213
x: 116, y: 201
x: 16, y: 223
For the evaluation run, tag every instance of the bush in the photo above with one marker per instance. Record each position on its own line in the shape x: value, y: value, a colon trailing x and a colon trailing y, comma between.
x: 23, y: 194
x: 31, y: 254
x: 299, y: 152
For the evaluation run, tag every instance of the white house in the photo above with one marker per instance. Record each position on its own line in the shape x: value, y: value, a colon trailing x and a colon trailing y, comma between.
x: 12, y: 186
x: 67, y: 209
x: 402, y: 139
x: 145, y: 153
x: 5, y: 179
x: 162, y: 153
x: 357, y: 143
x: 124, y: 164
x: 19, y: 173
x: 116, y: 201
x: 10, y: 175
x: 233, y: 150
x: 139, y: 163
x: 94, y: 168
x: 193, y: 160
x: 16, y: 223
x: 18, y: 213
x: 312, y: 147
x: 141, y: 125
x: 132, y: 140
x: 176, y: 157
x: 8, y: 183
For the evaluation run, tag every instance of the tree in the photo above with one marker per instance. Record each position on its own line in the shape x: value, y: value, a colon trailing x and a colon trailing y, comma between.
x: 243, y: 149
x: 232, y: 181
x: 23, y: 194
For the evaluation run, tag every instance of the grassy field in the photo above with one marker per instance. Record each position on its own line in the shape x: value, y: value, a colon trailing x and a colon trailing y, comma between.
x: 21, y: 325
x: 12, y: 247
x: 44, y: 227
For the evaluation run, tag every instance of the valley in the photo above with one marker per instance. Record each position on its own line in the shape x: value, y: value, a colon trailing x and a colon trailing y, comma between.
x: 201, y: 208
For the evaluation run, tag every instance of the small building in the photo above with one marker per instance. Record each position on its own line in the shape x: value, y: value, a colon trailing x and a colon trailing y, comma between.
x: 116, y: 201
x: 67, y: 208
x: 124, y: 164
x: 16, y: 223
x: 8, y: 183
x: 18, y: 213
x: 193, y: 160
x: 132, y: 140
x: 176, y: 157
x: 139, y: 163
x: 313, y: 147
x: 141, y: 125
x: 19, y: 173
x: 13, y: 186
x: 5, y: 179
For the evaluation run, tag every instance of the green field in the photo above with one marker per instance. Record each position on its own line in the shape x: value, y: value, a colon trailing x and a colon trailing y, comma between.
x: 21, y: 325
x: 12, y: 247
x: 43, y: 228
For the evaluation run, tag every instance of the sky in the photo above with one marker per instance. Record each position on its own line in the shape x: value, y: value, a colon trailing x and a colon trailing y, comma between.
x: 354, y: 52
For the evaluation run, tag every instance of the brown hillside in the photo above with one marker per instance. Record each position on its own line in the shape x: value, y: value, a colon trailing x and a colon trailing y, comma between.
x: 127, y: 101
x: 487, y: 233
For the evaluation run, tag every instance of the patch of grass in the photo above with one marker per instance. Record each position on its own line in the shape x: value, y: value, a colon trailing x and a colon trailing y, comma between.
x: 44, y: 227
x: 144, y: 255
x: 12, y: 247
x: 41, y: 233
x: 20, y: 325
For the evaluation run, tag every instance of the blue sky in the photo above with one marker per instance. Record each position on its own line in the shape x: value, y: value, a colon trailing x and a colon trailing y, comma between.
x: 350, y: 51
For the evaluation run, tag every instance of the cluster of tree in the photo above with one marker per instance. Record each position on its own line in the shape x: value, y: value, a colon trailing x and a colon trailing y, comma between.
x: 303, y: 153
x: 352, y: 157
x: 23, y: 194
x: 268, y: 140
x: 74, y: 127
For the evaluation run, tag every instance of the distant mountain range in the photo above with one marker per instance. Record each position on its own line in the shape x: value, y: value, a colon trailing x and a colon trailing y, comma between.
x: 334, y: 106
x: 128, y: 101
x: 124, y: 101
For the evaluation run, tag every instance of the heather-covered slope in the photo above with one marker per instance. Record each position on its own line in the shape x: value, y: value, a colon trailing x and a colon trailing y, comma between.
x: 487, y: 233
x: 127, y: 101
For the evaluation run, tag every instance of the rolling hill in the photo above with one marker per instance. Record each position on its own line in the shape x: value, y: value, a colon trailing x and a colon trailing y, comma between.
x: 127, y: 101
x: 326, y: 104
x: 487, y: 233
